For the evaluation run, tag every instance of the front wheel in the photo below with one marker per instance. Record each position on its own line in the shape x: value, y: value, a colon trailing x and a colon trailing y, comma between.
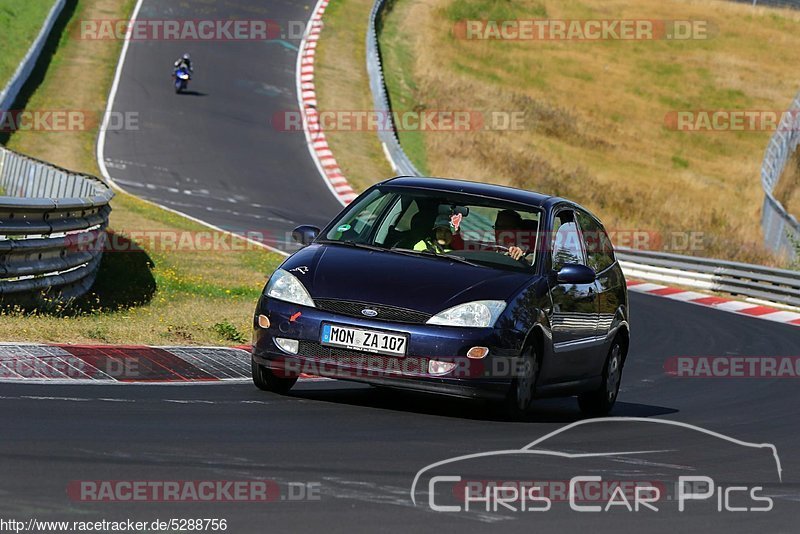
x: 520, y: 395
x: 599, y: 402
x: 265, y: 379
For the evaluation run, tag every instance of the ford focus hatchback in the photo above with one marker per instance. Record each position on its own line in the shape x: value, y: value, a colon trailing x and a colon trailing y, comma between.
x: 450, y: 287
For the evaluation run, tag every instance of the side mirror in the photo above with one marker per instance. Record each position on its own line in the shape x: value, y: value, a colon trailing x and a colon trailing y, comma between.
x: 305, y: 234
x: 573, y: 273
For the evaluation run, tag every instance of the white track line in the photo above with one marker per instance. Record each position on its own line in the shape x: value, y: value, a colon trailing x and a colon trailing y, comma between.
x: 306, y: 96
x: 101, y: 145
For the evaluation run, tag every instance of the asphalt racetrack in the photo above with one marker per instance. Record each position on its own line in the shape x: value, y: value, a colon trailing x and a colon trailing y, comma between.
x: 357, y: 449
x: 220, y: 152
x: 342, y: 457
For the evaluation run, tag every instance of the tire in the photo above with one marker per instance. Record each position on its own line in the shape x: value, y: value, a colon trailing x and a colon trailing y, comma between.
x: 599, y: 402
x: 266, y: 380
x: 523, y: 387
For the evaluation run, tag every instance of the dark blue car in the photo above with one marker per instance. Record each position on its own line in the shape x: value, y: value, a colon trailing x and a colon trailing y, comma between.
x: 451, y: 287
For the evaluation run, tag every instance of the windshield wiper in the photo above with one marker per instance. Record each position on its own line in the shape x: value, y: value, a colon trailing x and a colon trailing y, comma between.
x: 406, y: 252
x: 430, y: 254
x: 351, y: 243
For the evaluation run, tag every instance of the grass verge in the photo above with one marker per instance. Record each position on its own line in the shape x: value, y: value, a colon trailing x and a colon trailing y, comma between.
x: 20, y: 23
x: 155, y: 294
x: 342, y: 85
x: 596, y: 113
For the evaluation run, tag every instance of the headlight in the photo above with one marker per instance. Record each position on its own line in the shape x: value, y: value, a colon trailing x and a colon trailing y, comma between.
x: 479, y: 314
x: 284, y: 286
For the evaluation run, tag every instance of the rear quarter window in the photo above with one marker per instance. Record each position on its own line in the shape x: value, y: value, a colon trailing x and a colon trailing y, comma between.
x: 599, y: 251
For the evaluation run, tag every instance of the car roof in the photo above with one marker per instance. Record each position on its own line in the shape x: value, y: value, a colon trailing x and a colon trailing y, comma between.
x: 500, y: 192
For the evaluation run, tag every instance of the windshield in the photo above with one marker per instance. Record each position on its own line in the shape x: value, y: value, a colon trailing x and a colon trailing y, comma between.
x: 481, y: 231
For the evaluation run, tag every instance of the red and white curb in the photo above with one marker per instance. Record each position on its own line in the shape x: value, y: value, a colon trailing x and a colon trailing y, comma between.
x: 749, y: 309
x: 134, y: 364
x: 106, y: 364
x: 307, y: 99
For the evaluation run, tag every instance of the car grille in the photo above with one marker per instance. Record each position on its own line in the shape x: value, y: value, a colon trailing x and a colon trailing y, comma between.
x: 385, y: 313
x: 361, y: 360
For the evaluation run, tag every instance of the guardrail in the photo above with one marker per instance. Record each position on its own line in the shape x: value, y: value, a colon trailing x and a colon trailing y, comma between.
x: 380, y: 96
x: 52, y: 230
x: 781, y: 229
x: 793, y: 4
x: 778, y: 286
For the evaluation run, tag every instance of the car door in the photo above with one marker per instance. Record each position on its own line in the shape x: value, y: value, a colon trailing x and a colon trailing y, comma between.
x: 600, y: 257
x: 574, y: 314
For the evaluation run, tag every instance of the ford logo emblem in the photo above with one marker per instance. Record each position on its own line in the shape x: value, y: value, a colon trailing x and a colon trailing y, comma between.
x: 369, y: 312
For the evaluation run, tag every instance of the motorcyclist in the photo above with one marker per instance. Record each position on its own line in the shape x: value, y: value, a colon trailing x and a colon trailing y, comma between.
x: 185, y: 61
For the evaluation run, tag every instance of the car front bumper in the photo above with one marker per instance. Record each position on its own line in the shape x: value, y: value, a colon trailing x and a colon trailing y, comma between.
x: 489, y: 377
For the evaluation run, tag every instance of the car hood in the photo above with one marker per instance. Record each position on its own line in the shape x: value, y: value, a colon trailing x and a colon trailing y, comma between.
x: 429, y: 285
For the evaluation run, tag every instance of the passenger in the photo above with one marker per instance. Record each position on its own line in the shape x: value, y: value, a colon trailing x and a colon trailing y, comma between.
x: 442, y: 239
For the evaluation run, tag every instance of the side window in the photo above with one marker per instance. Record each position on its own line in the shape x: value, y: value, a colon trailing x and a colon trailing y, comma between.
x: 404, y: 224
x: 567, y: 245
x: 389, y: 221
x: 599, y: 252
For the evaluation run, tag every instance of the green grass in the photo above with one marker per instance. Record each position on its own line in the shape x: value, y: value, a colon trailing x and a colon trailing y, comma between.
x: 404, y: 93
x: 148, y: 296
x: 342, y: 85
x: 493, y: 10
x: 20, y: 23
x: 679, y: 162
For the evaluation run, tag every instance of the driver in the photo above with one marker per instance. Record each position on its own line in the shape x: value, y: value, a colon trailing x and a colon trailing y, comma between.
x: 507, y: 226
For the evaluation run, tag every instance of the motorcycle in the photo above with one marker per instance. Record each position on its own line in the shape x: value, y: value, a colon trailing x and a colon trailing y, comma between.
x: 182, y: 77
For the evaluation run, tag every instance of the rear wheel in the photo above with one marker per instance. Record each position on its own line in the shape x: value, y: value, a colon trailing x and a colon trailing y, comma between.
x: 266, y: 380
x: 599, y: 402
x: 520, y: 395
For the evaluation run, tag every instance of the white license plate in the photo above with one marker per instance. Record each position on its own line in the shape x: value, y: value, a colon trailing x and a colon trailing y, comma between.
x: 364, y: 340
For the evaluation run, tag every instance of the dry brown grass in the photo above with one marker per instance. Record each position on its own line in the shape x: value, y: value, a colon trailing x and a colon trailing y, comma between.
x: 342, y: 85
x: 595, y: 111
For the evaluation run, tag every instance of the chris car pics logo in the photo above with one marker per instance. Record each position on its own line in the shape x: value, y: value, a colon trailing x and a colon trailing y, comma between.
x: 685, y: 475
